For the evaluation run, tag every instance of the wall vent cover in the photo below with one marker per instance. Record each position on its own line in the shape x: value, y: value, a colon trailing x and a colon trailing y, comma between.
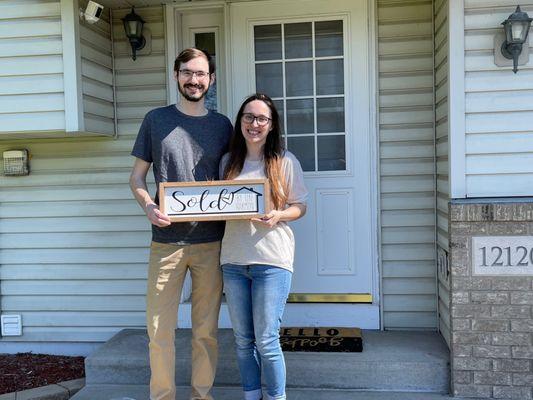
x: 11, y: 325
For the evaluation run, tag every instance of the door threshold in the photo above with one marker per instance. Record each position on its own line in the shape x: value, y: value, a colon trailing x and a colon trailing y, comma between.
x: 351, y: 298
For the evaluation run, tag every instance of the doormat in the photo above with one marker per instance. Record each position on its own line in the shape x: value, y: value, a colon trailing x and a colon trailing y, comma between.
x: 329, y: 340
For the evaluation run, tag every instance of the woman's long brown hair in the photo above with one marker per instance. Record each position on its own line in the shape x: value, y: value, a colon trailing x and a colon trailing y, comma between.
x: 272, y: 152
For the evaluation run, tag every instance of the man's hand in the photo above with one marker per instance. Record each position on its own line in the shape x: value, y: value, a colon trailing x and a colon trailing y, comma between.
x: 140, y: 191
x: 271, y: 219
x: 156, y: 217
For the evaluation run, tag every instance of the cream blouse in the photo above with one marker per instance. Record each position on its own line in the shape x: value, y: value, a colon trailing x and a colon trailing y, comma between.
x: 246, y: 242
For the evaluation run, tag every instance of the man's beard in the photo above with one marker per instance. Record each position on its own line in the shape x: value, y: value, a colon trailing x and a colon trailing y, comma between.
x: 192, y: 98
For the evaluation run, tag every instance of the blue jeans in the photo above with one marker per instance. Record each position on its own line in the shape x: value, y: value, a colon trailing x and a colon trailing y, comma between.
x: 256, y: 297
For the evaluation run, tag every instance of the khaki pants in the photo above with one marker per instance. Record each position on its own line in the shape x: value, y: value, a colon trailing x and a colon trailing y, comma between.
x: 167, y: 270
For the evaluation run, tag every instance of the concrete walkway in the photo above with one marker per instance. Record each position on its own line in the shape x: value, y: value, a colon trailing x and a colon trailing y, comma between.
x: 137, y: 392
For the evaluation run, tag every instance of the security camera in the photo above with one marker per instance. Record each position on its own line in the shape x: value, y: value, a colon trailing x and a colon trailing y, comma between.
x: 92, y: 12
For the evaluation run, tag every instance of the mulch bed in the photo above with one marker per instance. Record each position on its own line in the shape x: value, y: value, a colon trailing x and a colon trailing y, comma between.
x: 27, y: 370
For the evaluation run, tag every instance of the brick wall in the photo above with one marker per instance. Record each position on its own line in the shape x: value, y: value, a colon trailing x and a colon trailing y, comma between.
x: 491, y: 316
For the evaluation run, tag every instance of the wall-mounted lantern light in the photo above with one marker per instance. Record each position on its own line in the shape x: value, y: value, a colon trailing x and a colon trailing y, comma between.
x: 516, y: 31
x: 133, y: 26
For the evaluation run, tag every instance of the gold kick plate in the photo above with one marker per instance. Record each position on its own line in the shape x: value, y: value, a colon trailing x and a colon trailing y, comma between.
x: 330, y: 298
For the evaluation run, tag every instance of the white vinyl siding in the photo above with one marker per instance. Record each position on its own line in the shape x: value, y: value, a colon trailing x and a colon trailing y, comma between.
x: 441, y: 119
x: 499, y: 107
x: 97, y: 74
x: 140, y: 85
x: 407, y: 178
x: 43, y: 63
x: 441, y: 44
x: 31, y: 67
x: 74, y: 244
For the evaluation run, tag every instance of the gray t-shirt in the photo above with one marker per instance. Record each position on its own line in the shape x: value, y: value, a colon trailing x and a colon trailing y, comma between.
x: 183, y: 148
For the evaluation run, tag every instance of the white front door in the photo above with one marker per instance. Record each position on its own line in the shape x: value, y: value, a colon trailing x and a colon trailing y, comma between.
x: 312, y: 58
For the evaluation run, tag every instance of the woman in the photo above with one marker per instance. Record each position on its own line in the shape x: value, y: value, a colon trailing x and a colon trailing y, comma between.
x: 257, y: 255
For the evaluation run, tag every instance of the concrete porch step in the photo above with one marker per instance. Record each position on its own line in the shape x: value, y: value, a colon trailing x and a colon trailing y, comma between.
x: 138, y: 392
x: 392, y: 361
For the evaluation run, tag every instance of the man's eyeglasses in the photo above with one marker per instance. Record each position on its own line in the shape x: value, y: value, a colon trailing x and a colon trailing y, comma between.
x: 188, y: 74
x: 250, y: 118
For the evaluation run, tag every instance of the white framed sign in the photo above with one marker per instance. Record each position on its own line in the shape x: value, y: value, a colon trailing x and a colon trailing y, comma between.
x: 502, y: 255
x: 214, y: 200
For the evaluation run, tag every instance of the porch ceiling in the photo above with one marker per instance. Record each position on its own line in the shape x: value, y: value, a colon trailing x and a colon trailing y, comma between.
x: 135, y: 3
x: 113, y: 4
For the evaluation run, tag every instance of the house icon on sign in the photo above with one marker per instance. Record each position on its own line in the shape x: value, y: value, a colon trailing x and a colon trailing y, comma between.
x: 246, y: 199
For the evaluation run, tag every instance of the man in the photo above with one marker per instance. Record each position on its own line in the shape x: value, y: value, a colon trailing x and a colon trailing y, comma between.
x: 185, y: 143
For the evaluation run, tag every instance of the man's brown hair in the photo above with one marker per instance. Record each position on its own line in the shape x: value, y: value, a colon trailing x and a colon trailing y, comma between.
x: 190, y: 53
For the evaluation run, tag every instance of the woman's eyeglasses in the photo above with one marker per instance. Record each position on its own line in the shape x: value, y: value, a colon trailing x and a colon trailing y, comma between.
x: 250, y: 118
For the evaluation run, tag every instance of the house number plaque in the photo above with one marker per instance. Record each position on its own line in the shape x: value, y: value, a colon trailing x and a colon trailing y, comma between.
x: 502, y: 255
x: 214, y: 200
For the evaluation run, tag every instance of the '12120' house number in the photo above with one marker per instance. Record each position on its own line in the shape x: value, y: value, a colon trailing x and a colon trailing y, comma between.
x: 214, y: 200
x: 502, y: 255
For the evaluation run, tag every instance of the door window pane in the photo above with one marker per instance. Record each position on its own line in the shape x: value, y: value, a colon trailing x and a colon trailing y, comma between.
x: 207, y: 41
x: 279, y: 106
x: 330, y: 115
x: 267, y: 41
x: 328, y: 38
x: 329, y: 77
x: 269, y: 79
x: 331, y: 153
x: 301, y: 66
x: 299, y: 78
x: 298, y: 42
x: 300, y: 116
x: 304, y: 150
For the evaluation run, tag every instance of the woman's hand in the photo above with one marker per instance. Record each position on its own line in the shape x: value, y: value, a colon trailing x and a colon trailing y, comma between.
x: 292, y: 213
x: 271, y: 219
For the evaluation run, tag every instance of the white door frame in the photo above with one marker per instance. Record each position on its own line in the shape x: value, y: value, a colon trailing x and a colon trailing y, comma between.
x: 172, y: 44
x: 313, y: 312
